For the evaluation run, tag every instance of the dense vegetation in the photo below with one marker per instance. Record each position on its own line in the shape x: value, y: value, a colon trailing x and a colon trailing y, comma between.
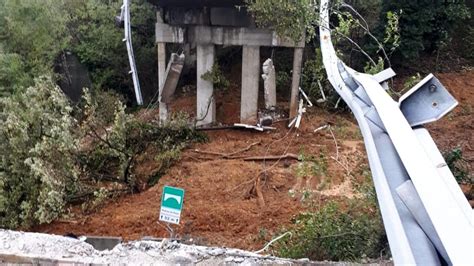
x: 53, y: 152
x: 34, y: 34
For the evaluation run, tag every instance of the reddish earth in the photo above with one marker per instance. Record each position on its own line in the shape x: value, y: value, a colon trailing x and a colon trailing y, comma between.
x: 457, y: 128
x: 222, y: 206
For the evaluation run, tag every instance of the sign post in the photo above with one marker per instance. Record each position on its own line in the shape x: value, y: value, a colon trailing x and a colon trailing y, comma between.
x: 171, y: 204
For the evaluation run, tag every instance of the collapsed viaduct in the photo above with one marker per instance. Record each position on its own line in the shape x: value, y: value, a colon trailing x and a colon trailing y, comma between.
x: 205, y: 24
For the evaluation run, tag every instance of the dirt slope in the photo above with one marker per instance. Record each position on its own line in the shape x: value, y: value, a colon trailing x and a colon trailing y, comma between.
x: 222, y: 206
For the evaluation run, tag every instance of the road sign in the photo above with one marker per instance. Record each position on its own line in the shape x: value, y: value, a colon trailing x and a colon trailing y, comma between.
x: 171, y: 204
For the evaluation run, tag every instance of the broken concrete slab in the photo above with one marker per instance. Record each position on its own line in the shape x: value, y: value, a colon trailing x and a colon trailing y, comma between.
x: 269, y: 83
x: 171, y: 78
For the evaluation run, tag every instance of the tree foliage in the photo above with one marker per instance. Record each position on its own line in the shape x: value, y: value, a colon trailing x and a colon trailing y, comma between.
x: 33, y: 33
x: 291, y: 19
x: 37, y: 167
x: 426, y: 25
x: 98, y: 42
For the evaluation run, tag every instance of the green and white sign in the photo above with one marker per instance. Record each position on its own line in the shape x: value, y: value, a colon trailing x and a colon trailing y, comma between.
x: 171, y: 204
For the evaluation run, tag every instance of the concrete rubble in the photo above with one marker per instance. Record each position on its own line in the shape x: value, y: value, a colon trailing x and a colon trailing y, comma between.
x: 35, y: 248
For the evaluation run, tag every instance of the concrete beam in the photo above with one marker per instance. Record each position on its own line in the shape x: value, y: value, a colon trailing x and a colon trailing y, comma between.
x: 165, y: 33
x: 206, y: 104
x: 250, y: 78
x: 187, y: 16
x: 232, y: 36
x: 295, y: 83
x: 230, y: 17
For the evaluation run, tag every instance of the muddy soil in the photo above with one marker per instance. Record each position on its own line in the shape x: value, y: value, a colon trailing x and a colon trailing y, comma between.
x: 222, y: 205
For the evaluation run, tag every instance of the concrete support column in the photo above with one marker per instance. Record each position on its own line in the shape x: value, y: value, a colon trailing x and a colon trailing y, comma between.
x: 206, y: 104
x: 161, y: 53
x: 295, y: 83
x: 250, y: 78
x: 161, y: 49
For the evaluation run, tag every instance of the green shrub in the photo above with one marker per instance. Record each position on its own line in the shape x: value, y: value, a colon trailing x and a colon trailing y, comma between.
x: 37, y: 146
x: 313, y: 76
x: 13, y: 74
x: 332, y: 233
x: 217, y: 78
x: 458, y: 166
x: 114, y: 148
x: 288, y: 18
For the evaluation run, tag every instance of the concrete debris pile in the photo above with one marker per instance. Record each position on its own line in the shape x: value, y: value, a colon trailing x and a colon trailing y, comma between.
x: 36, y: 248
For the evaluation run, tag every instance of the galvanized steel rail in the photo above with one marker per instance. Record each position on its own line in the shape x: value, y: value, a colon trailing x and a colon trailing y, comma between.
x: 427, y: 219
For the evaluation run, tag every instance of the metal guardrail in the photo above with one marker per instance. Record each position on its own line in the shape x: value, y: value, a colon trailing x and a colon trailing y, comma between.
x: 125, y: 17
x: 427, y: 219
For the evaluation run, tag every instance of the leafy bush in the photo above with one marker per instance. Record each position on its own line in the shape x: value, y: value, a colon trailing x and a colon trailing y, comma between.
x: 314, y: 75
x: 114, y: 148
x: 13, y: 74
x: 216, y: 76
x: 41, y: 161
x: 288, y: 18
x: 37, y: 166
x: 333, y: 233
x: 458, y: 166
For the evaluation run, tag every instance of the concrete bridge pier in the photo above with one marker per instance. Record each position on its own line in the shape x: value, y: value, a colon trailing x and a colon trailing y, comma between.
x: 205, y: 25
x: 206, y: 104
x: 295, y: 83
x: 250, y: 80
x: 163, y: 107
